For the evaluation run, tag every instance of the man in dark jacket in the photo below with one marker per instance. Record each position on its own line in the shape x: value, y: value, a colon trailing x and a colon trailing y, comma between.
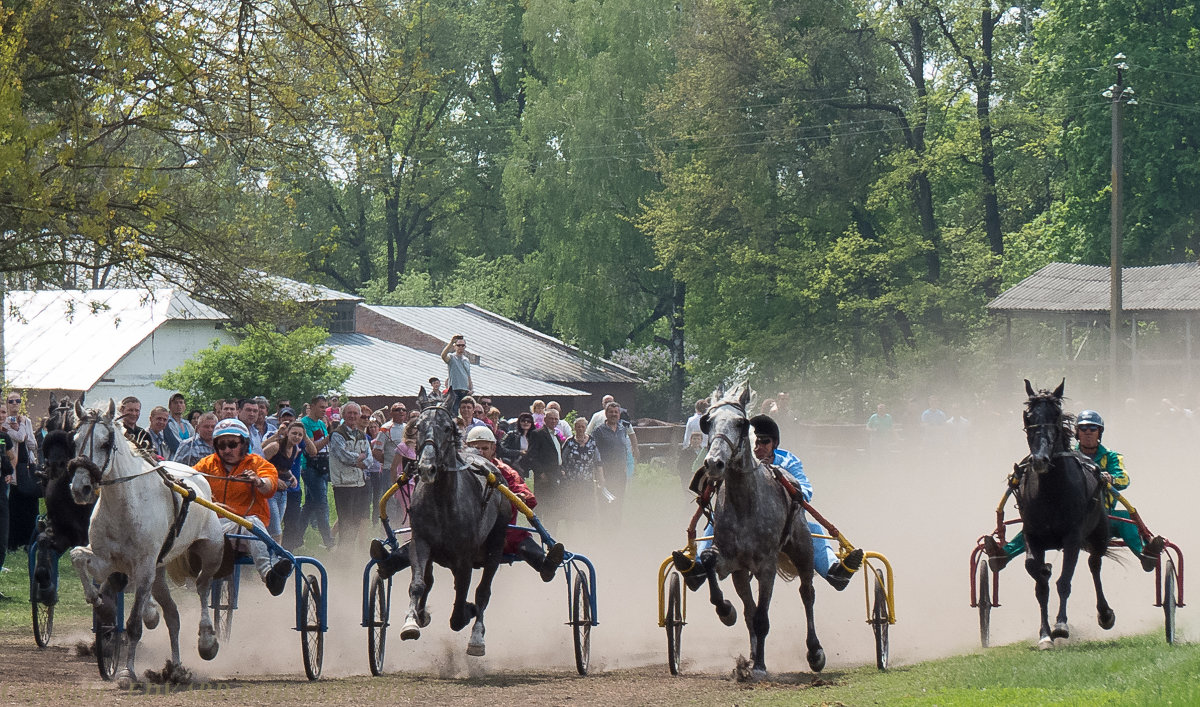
x: 544, y: 459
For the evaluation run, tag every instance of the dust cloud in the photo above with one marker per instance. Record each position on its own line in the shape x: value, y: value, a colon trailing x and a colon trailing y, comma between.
x: 920, y: 503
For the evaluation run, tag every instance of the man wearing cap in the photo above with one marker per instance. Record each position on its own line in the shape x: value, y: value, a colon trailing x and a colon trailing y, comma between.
x: 242, y: 482
x: 1089, y: 428
x: 825, y: 560
x: 179, y: 430
x: 516, y: 542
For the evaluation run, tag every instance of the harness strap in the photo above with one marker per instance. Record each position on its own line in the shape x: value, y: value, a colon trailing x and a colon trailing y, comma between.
x: 791, y: 493
x: 181, y: 511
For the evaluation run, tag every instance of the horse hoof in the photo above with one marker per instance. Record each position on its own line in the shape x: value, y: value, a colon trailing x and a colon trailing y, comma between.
x: 1045, y: 644
x: 816, y: 660
x: 475, y: 649
x: 727, y: 613
x: 1107, y: 619
x: 424, y: 618
x: 1060, y: 631
x: 150, y: 618
x: 209, y: 651
x: 758, y: 675
x: 125, y: 679
x: 411, y: 631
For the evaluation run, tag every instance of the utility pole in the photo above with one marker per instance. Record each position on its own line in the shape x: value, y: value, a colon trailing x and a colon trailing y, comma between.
x: 1120, y: 94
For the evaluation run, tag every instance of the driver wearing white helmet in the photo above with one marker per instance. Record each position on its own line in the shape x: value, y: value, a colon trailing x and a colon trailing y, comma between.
x: 516, y: 542
x: 242, y: 482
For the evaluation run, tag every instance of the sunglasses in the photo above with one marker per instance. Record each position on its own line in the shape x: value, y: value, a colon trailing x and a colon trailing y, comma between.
x: 761, y: 442
x: 227, y: 444
x: 14, y: 400
x: 1088, y: 428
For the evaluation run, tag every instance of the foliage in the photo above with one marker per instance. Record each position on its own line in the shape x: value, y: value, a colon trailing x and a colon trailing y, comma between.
x: 295, y: 366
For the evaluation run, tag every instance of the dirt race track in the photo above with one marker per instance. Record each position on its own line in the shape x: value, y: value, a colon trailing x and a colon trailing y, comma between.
x: 923, y: 512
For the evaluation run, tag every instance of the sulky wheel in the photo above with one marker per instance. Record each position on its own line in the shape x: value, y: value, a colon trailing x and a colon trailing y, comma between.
x: 110, y: 649
x: 1170, y: 597
x: 312, y: 638
x: 674, y: 622
x: 880, y: 621
x: 984, y: 602
x: 581, y: 622
x: 43, y: 622
x: 377, y: 610
x: 222, y: 606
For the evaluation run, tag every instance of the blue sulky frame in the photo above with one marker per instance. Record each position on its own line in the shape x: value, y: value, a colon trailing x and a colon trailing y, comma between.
x: 579, y: 571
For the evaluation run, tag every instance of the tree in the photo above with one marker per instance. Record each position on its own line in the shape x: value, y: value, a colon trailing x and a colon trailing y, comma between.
x: 294, y: 366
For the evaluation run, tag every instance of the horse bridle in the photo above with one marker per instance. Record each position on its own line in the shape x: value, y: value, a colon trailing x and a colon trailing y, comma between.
x: 734, y: 449
x: 429, y: 442
x: 108, y: 448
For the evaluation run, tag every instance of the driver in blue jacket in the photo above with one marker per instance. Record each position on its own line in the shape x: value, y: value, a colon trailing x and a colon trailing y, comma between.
x: 1089, y: 428
x: 825, y: 559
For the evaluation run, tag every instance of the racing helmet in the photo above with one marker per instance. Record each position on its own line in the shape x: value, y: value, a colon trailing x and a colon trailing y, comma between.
x: 480, y: 433
x: 231, y: 426
x: 1090, y: 417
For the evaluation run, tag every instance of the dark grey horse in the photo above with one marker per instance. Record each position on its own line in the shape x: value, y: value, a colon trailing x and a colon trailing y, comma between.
x: 1061, y: 499
x: 457, y: 522
x: 66, y: 522
x: 754, y: 520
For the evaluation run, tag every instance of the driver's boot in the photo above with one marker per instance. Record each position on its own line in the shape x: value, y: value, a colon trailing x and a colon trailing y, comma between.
x: 693, y: 572
x: 389, y: 563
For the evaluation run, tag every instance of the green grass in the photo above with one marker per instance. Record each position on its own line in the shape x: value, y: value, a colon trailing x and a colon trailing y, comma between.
x: 15, y: 613
x: 1138, y: 670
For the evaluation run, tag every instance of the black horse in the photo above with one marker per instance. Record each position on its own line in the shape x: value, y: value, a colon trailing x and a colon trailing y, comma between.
x: 1061, y: 499
x: 66, y: 522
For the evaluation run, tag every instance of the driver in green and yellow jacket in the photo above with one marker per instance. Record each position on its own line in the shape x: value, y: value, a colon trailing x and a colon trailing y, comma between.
x: 1089, y: 428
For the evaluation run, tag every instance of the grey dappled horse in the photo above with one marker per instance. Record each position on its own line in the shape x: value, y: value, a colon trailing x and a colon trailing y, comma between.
x: 1061, y: 500
x: 753, y: 521
x: 457, y: 522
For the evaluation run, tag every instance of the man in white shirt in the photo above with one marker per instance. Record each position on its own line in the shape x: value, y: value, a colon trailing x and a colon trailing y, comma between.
x: 693, y: 424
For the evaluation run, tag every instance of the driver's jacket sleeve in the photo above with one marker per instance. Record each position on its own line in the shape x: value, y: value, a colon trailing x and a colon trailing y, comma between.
x: 1114, y: 464
x: 795, y: 469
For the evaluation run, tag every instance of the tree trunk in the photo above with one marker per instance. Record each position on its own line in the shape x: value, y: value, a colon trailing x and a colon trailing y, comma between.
x: 678, y: 380
x: 983, y: 94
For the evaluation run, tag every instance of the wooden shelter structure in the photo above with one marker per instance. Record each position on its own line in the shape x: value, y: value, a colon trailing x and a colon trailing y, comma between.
x: 1161, y: 319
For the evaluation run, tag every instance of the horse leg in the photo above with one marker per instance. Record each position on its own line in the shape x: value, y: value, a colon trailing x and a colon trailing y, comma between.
x: 1035, y: 565
x: 808, y: 595
x: 741, y: 584
x: 1104, y: 613
x: 725, y: 610
x: 162, y: 594
x: 209, y: 555
x: 417, y: 590
x: 43, y: 572
x: 133, y: 629
x: 1070, y: 559
x: 88, y: 566
x: 423, y: 617
x: 464, y: 610
x: 483, y: 594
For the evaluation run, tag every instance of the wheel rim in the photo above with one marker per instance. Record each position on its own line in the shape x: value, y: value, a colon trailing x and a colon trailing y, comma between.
x: 581, y: 621
x: 984, y: 602
x: 223, y: 608
x: 109, y: 644
x: 881, y: 619
x: 674, y: 623
x: 378, y: 611
x: 312, y: 639
x: 1169, y: 600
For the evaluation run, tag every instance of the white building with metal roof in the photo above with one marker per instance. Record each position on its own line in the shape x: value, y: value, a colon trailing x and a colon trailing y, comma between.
x: 103, y: 343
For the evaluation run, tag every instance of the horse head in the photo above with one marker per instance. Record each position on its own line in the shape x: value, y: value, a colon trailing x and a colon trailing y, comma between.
x: 1045, y: 425
x: 437, y: 437
x: 728, y: 430
x: 61, y: 415
x: 97, y: 437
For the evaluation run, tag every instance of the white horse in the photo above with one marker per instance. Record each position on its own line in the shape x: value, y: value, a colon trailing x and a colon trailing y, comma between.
x: 132, y: 523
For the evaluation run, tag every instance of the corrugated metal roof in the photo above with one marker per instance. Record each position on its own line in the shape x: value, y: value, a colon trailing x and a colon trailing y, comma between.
x: 308, y: 292
x: 386, y: 368
x: 68, y: 339
x: 504, y: 344
x: 1070, y: 287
